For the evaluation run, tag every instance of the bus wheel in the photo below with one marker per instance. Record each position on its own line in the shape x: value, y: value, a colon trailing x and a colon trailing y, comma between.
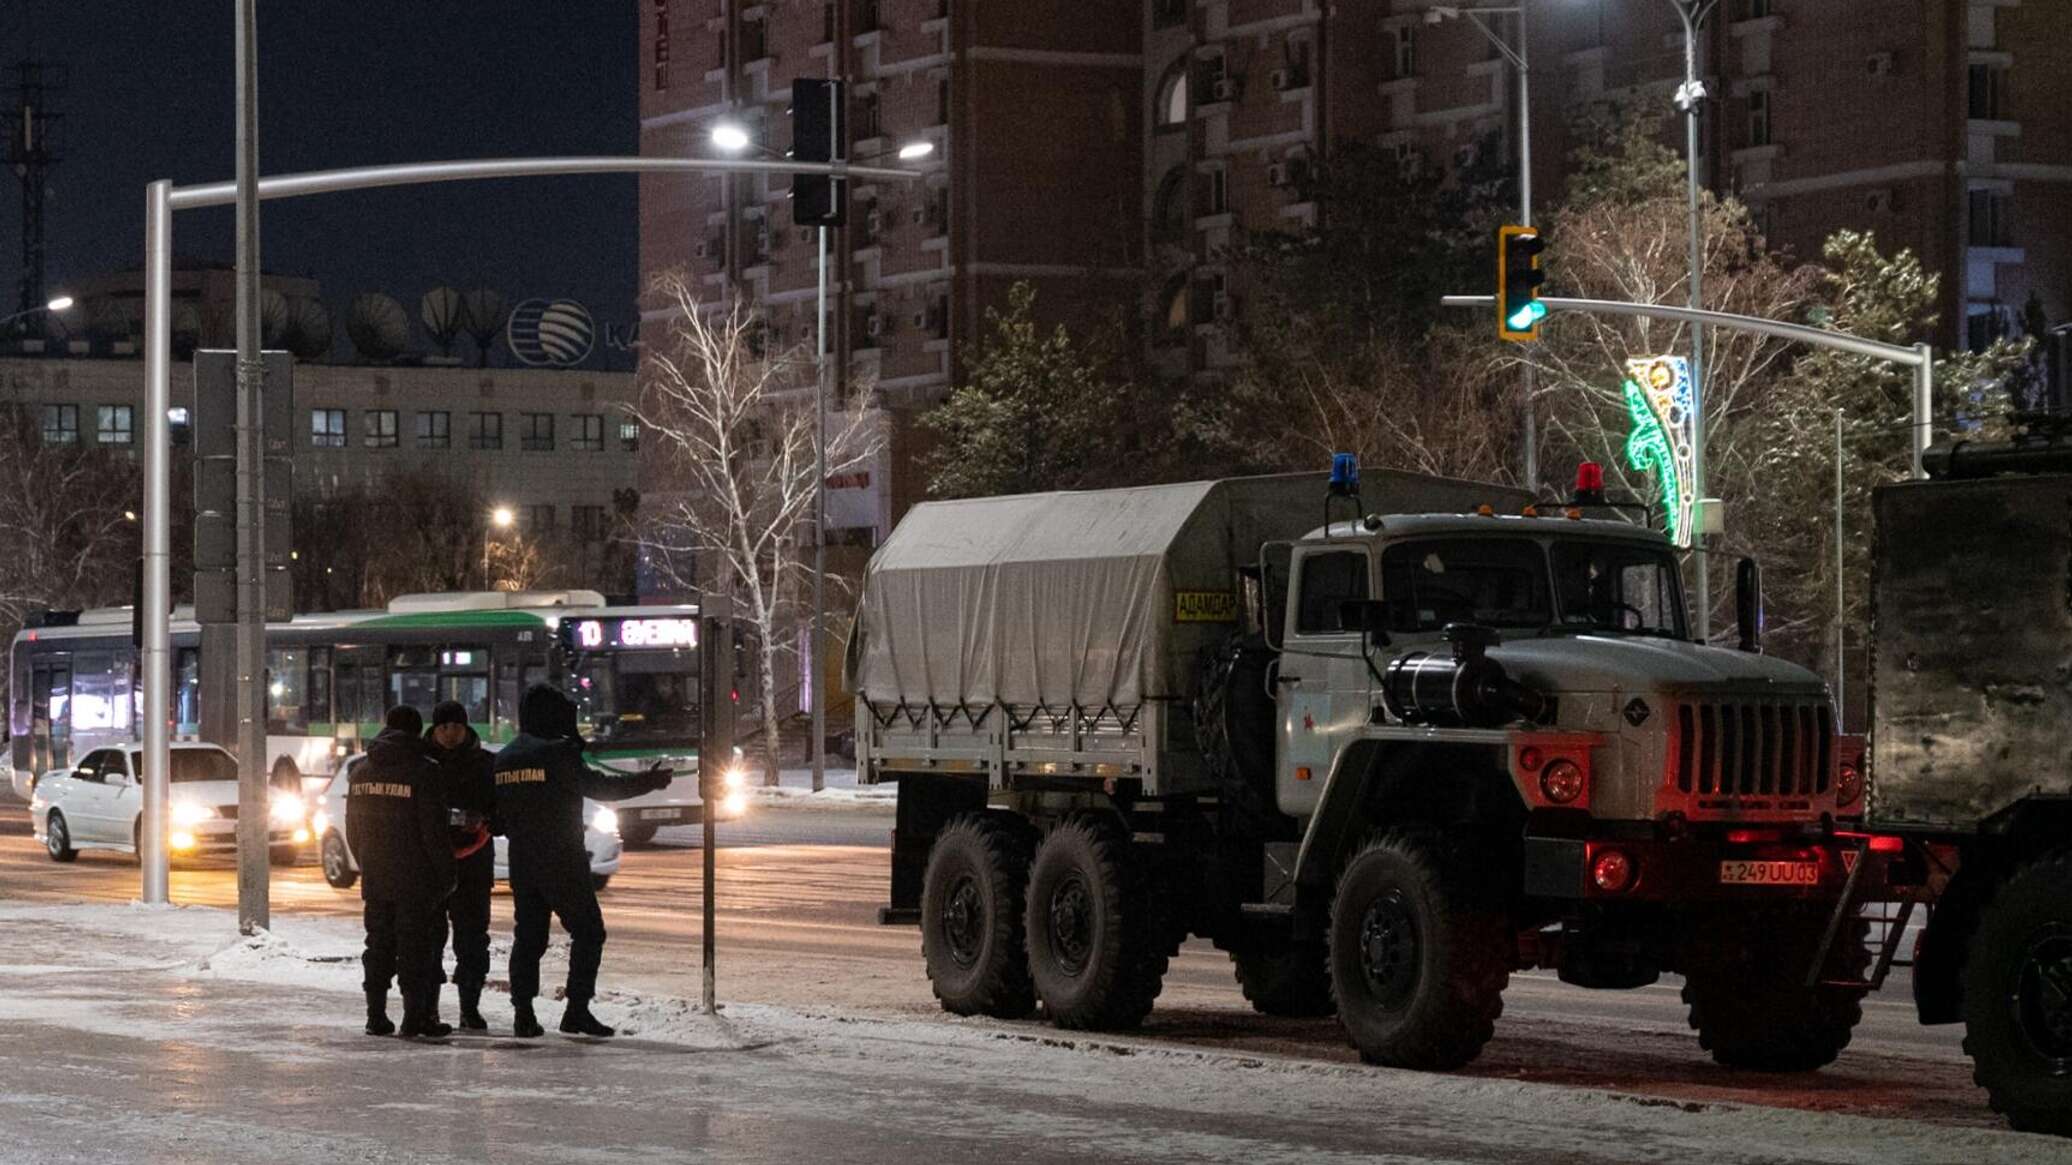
x: 57, y: 840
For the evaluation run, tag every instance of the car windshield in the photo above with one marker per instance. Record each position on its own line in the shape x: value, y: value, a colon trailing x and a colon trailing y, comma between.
x: 636, y: 697
x: 1496, y: 582
x: 200, y: 764
x: 1614, y: 586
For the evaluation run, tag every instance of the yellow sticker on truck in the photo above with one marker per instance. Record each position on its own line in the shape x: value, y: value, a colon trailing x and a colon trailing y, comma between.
x: 1204, y: 607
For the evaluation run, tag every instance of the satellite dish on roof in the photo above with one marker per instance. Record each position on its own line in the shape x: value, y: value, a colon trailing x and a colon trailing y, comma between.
x: 484, y: 311
x: 377, y: 326
x: 309, y: 333
x: 273, y: 317
x: 442, y: 315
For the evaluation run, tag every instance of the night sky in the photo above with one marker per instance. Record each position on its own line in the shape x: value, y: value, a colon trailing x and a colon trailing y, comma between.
x: 351, y: 82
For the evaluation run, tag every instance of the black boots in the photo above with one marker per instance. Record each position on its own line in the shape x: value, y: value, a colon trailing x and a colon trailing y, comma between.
x: 471, y: 1010
x: 577, y: 1020
x: 524, y: 1024
x: 377, y: 1015
x: 421, y: 1017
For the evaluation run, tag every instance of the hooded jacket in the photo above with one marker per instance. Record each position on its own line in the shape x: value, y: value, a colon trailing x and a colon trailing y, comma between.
x: 395, y: 816
x: 470, y: 773
x: 541, y: 780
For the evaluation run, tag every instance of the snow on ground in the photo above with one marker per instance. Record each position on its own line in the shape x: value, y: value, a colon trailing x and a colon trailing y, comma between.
x: 965, y: 1087
x: 794, y: 789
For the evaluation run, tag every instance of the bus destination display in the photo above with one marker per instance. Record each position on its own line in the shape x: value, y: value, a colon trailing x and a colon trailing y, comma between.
x: 596, y: 634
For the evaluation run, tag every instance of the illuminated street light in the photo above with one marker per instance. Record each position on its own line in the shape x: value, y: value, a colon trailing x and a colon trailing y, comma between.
x: 730, y: 137
x: 914, y: 150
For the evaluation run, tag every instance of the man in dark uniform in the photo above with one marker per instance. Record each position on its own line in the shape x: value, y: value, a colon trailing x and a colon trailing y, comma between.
x: 471, y: 798
x: 541, y: 781
x: 395, y: 814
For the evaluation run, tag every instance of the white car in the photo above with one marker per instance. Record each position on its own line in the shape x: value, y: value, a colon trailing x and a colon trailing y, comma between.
x: 341, y: 869
x: 100, y: 803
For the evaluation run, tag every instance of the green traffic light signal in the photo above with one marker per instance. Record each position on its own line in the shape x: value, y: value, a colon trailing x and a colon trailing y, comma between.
x: 1518, y: 278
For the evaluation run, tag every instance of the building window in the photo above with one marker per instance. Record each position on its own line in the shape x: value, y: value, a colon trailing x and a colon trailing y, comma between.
x: 1406, y: 51
x: 1988, y: 218
x: 1215, y: 186
x: 434, y: 430
x: 629, y: 436
x: 380, y: 426
x: 1167, y: 13
x: 589, y: 435
x: 327, y: 428
x: 1172, y: 96
x: 536, y: 432
x: 1215, y: 77
x: 661, y: 44
x: 539, y: 519
x: 1756, y: 9
x: 942, y: 101
x: 587, y: 523
x: 1986, y: 92
x: 866, y: 16
x: 1984, y: 322
x: 827, y: 24
x: 866, y: 116
x: 1169, y: 207
x: 485, y: 430
x: 1759, y: 117
x: 115, y: 425
x: 1173, y: 313
x: 61, y: 424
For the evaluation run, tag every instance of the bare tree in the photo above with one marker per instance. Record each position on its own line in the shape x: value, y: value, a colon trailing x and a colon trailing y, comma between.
x: 737, y: 435
x: 68, y: 535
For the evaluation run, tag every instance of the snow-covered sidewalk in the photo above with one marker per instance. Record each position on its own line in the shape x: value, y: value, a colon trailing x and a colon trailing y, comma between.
x: 133, y: 1033
x: 794, y: 790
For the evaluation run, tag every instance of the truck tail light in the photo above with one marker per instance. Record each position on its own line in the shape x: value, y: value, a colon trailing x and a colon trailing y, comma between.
x: 1612, y: 872
x: 1562, y: 781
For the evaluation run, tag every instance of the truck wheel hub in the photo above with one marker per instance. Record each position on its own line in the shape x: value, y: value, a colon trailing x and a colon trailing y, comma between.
x: 1388, y: 948
x: 1071, y: 925
x: 963, y: 921
x: 2043, y: 997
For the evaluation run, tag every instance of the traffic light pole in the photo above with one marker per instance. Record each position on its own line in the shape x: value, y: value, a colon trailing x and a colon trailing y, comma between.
x: 817, y: 672
x: 253, y: 816
x: 161, y: 200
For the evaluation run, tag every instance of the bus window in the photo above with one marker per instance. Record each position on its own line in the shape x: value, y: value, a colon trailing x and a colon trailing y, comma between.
x: 361, y: 691
x: 471, y: 692
x: 50, y: 715
x: 413, y: 678
x: 287, y: 682
x: 96, y: 706
x: 187, y: 701
x: 316, y: 708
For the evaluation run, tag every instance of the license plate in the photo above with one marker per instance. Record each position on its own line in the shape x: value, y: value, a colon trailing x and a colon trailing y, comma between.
x: 1738, y: 873
x: 658, y: 814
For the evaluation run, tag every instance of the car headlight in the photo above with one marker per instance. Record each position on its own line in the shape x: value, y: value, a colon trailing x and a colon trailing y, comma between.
x: 734, y: 805
x: 320, y: 822
x: 186, y: 813
x: 734, y: 779
x: 287, y: 809
x: 604, y: 820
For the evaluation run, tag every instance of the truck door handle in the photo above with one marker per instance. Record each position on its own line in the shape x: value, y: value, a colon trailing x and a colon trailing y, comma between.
x: 1287, y: 679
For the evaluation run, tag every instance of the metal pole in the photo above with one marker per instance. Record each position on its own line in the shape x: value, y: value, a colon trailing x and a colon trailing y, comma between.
x: 1532, y: 420
x: 1841, y: 611
x: 1691, y: 114
x: 818, y: 672
x: 706, y: 797
x: 156, y: 662
x: 1924, y: 405
x: 1917, y: 356
x: 252, y: 798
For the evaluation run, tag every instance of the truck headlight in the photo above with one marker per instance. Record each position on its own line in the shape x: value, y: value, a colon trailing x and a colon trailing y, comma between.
x: 1848, y: 784
x: 286, y: 809
x: 1562, y: 781
x: 188, y: 813
x: 604, y: 820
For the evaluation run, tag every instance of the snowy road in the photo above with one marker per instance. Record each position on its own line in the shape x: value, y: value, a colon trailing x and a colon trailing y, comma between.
x: 798, y: 888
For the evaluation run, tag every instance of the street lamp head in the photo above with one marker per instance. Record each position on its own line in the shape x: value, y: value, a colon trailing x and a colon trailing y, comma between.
x: 915, y: 150
x: 730, y: 137
x: 502, y: 517
x: 59, y: 304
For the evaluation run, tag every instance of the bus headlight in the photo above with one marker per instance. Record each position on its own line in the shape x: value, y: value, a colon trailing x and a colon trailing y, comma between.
x: 181, y: 841
x: 734, y: 805
x: 605, y: 820
x: 287, y: 809
x: 735, y: 780
x: 187, y: 814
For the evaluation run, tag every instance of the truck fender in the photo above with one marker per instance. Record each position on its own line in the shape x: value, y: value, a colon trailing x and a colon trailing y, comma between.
x: 1379, y: 781
x: 1946, y: 942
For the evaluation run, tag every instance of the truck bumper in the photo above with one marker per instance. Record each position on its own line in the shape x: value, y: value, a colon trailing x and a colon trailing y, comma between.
x: 1688, y: 869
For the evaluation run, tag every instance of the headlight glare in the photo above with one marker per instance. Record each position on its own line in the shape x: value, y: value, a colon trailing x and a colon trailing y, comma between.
x: 605, y: 820
x: 188, y: 813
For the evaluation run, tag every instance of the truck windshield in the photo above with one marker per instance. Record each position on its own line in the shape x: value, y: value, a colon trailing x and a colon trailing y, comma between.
x: 1611, y: 586
x: 1496, y: 582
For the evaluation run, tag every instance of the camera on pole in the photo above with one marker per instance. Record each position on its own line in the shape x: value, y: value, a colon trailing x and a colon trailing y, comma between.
x: 1518, y: 278
x: 817, y: 125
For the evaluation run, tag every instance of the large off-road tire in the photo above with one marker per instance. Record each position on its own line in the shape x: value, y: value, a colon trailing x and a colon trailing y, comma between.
x: 1290, y: 979
x: 971, y: 916
x: 1745, y: 983
x: 2018, y: 997
x: 1097, y: 945
x: 1420, y: 953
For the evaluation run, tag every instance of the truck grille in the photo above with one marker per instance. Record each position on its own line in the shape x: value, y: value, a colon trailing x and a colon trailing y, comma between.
x: 1753, y: 749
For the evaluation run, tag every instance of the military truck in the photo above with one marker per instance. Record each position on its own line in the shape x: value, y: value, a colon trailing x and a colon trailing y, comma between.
x: 1384, y: 759
x: 1971, y: 755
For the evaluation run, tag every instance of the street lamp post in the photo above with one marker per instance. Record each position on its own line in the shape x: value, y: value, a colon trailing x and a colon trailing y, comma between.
x: 59, y: 304
x: 1690, y: 98
x: 1519, y: 58
x: 733, y: 138
x: 499, y: 519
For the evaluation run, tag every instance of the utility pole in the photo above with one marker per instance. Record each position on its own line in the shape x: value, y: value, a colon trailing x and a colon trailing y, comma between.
x: 253, y: 817
x: 1690, y: 98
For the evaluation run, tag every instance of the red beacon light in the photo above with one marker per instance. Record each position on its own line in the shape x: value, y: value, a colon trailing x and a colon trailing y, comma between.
x: 1589, y: 484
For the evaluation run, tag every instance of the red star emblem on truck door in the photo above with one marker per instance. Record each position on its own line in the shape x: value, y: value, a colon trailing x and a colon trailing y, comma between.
x: 1309, y: 722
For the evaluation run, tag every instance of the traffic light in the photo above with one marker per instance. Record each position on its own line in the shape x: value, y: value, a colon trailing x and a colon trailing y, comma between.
x: 1518, y: 279
x: 816, y: 136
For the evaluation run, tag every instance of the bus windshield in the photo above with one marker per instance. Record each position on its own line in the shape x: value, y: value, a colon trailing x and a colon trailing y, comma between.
x: 636, y: 697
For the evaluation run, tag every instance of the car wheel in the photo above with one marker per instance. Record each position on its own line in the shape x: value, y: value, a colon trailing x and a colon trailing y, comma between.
x: 57, y: 840
x: 338, y: 865
x: 600, y: 881
x: 637, y: 836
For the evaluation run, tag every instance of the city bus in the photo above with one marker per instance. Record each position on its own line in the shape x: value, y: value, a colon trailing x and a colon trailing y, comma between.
x: 331, y: 678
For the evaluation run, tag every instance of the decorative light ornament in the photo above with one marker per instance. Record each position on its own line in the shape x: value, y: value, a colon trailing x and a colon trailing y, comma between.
x: 1663, y: 439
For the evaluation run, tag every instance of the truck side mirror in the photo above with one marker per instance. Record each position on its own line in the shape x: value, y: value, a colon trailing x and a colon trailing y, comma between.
x: 1748, y: 604
x: 1370, y: 617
